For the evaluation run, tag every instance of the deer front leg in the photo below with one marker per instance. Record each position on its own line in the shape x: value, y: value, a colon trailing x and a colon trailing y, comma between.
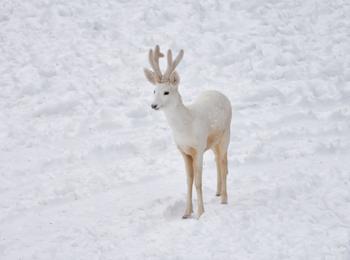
x: 197, y: 167
x: 189, y: 172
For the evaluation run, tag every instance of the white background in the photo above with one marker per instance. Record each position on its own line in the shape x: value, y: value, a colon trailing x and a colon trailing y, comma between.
x: 89, y: 171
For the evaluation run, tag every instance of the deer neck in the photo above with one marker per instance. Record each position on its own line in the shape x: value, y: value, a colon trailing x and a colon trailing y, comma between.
x: 178, y: 115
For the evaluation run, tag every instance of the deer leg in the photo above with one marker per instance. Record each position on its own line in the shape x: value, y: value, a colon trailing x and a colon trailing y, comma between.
x: 222, y: 151
x: 189, y: 172
x: 218, y: 171
x: 197, y: 167
x: 224, y: 171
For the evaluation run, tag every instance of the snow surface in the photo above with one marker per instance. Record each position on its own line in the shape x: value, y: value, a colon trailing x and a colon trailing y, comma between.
x: 88, y: 171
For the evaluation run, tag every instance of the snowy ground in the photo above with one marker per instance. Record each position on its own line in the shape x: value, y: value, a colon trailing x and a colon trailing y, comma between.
x: 88, y: 171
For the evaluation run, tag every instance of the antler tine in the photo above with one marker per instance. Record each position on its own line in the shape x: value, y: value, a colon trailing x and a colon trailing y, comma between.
x: 151, y: 61
x: 169, y: 68
x: 150, y: 58
x: 172, y: 65
x: 178, y: 58
x: 170, y: 62
x: 154, y: 60
x: 157, y: 50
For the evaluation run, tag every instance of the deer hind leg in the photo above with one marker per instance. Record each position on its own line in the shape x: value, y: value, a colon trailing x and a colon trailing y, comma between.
x: 221, y: 149
x: 189, y: 172
x: 224, y: 171
x: 216, y: 151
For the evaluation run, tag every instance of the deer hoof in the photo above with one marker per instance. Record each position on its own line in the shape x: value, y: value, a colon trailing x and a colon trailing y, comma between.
x: 200, y: 213
x: 186, y: 216
x: 223, y: 200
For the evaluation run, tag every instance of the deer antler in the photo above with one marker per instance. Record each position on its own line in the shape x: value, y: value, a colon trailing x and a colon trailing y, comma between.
x: 154, y: 61
x: 172, y: 65
x: 156, y: 76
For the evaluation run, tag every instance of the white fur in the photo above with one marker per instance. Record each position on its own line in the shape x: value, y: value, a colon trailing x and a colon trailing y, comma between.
x: 203, y: 125
x: 196, y: 128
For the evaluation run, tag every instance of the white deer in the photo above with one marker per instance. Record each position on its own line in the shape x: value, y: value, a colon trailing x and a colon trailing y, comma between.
x: 196, y: 128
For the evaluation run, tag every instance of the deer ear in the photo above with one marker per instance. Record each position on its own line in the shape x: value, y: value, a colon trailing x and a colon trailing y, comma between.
x: 151, y: 76
x: 174, y: 79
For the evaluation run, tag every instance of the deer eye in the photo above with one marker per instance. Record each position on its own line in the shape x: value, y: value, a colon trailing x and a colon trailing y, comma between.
x: 166, y: 93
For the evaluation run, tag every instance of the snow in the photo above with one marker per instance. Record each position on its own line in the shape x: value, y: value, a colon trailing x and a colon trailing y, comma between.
x: 89, y: 171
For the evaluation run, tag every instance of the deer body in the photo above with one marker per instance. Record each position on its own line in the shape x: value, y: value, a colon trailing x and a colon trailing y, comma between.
x: 203, y: 125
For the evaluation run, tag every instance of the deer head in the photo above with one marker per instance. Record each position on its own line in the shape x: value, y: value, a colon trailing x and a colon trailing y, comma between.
x: 166, y: 92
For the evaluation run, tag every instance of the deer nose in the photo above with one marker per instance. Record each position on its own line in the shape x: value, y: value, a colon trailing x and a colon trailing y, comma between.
x: 154, y: 106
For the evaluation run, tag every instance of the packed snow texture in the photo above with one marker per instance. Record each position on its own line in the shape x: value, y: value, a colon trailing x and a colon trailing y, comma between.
x: 89, y: 171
